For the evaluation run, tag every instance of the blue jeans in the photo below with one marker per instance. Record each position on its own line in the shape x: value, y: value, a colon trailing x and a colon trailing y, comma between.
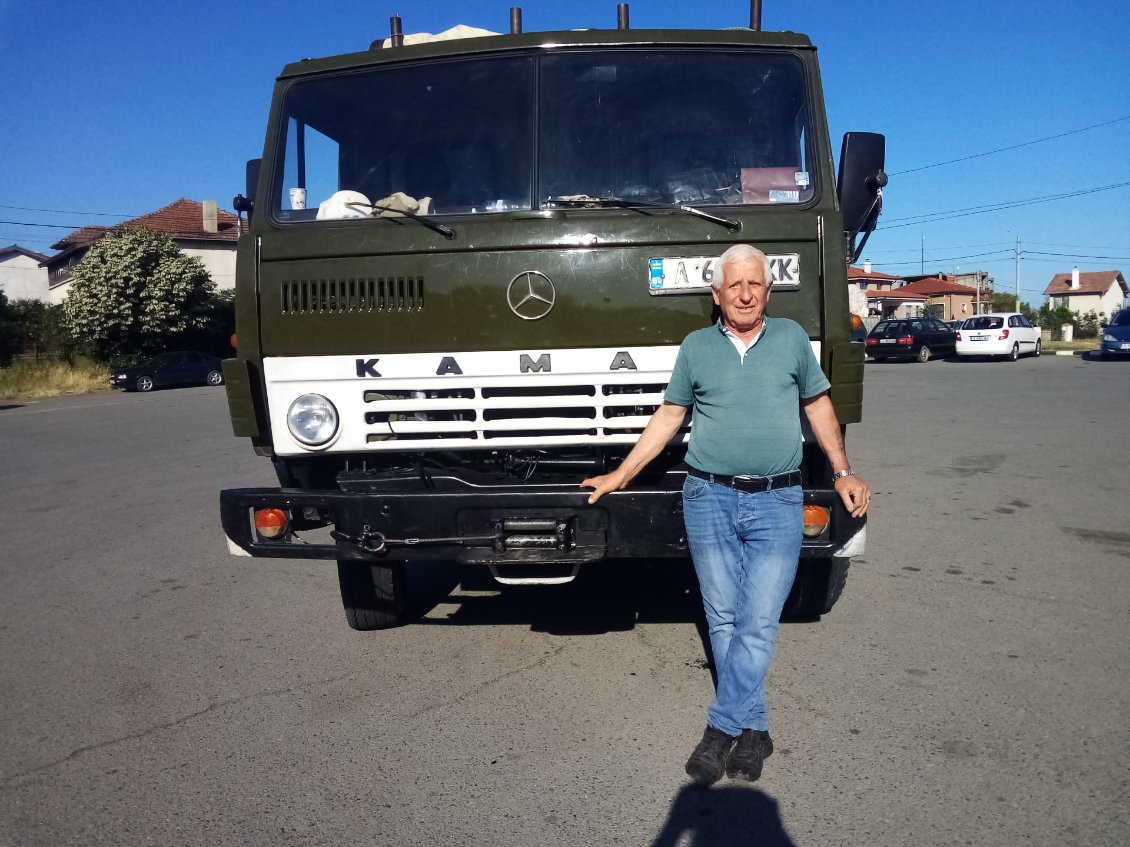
x: 745, y: 549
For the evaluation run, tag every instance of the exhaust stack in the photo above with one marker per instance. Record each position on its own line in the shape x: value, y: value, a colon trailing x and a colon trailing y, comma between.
x: 622, y: 16
x: 515, y: 20
x: 395, y: 33
x: 755, y: 15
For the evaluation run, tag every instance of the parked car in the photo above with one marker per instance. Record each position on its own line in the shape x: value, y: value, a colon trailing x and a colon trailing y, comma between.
x: 998, y: 334
x: 911, y: 338
x: 168, y: 369
x: 1116, y: 336
x: 955, y: 325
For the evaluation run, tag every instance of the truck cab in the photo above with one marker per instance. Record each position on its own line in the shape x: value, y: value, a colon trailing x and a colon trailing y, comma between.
x: 470, y: 263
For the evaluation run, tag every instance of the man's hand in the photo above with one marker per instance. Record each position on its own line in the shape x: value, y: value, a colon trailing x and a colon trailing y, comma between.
x: 855, y: 493
x: 603, y: 484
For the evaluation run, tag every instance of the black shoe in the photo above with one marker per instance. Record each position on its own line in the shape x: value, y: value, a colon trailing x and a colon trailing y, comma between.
x: 708, y: 761
x: 753, y: 748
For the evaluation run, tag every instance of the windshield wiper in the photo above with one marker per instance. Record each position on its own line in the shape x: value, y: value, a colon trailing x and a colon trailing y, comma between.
x: 445, y: 231
x: 618, y: 203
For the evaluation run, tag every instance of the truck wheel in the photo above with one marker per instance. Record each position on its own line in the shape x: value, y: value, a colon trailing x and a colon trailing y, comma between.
x: 374, y: 594
x: 818, y: 585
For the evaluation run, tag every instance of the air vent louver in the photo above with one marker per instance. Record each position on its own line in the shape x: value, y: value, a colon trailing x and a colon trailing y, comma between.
x: 346, y: 296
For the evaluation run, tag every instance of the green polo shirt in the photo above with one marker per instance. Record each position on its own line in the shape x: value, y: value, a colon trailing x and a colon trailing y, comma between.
x: 746, y: 411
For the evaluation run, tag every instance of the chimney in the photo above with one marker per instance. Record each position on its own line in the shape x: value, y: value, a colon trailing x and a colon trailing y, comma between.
x: 867, y: 267
x: 1075, y: 279
x: 211, y: 219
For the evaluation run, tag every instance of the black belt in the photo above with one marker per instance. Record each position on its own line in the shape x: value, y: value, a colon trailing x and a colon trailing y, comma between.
x: 749, y: 484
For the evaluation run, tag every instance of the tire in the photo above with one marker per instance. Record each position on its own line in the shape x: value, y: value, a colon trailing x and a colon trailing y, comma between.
x: 144, y: 383
x: 1039, y: 348
x: 374, y: 594
x: 923, y: 354
x: 1014, y: 353
x: 214, y: 378
x: 819, y: 584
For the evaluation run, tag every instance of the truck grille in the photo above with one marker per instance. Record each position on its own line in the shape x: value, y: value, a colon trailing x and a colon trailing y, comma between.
x: 509, y: 415
x: 344, y: 296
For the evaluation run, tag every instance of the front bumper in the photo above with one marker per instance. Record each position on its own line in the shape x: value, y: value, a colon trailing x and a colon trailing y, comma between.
x: 448, y: 518
x: 1116, y: 348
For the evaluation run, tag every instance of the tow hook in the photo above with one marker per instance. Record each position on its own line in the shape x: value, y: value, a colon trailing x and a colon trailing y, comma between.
x: 509, y: 534
x: 369, y: 540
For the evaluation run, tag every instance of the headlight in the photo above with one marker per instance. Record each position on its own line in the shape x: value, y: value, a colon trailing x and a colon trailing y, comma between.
x: 1108, y: 337
x: 312, y: 419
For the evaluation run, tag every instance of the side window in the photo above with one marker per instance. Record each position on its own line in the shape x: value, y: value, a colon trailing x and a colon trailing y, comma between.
x: 1025, y: 322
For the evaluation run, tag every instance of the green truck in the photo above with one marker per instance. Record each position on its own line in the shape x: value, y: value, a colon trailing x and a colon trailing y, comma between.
x: 470, y: 261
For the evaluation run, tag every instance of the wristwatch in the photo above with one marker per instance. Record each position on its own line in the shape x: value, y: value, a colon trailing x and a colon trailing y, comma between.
x: 841, y: 474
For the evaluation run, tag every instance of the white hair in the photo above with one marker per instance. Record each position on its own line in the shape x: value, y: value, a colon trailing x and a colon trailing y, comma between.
x: 741, y: 253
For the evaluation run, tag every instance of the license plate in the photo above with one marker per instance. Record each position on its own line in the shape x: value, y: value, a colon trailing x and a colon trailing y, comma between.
x: 694, y: 274
x: 978, y: 338
x: 888, y: 340
x: 1126, y: 347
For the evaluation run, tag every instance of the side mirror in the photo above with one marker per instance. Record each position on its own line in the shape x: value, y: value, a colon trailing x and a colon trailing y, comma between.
x: 860, y: 184
x: 246, y: 203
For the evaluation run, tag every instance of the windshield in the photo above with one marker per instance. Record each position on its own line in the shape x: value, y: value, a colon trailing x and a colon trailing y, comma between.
x: 458, y: 137
x: 1122, y: 318
x: 983, y: 322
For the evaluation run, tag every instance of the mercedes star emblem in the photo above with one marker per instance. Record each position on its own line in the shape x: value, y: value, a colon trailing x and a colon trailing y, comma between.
x: 531, y: 295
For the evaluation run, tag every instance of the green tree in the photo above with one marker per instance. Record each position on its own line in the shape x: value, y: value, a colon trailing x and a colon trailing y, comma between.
x: 133, y: 291
x: 1003, y: 302
x: 11, y: 333
x: 42, y: 329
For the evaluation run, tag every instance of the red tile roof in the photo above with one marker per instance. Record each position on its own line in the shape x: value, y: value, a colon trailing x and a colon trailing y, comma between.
x: 860, y: 273
x: 935, y: 287
x: 896, y: 294
x: 1090, y: 282
x: 183, y: 220
x: 80, y: 237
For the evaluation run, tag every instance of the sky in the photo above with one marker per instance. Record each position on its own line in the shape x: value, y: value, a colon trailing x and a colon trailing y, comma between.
x: 1007, y: 122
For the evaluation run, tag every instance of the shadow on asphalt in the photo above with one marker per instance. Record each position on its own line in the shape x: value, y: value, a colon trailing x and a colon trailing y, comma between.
x: 605, y: 597
x: 723, y: 816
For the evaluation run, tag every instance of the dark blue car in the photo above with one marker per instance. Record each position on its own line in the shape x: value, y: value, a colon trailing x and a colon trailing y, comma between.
x: 169, y: 369
x: 1116, y: 336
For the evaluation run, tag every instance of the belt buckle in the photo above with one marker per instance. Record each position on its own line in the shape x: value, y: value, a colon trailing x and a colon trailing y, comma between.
x: 739, y: 480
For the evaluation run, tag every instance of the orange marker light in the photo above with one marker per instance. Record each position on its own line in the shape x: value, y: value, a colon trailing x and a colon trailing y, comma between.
x: 816, y: 520
x: 270, y: 523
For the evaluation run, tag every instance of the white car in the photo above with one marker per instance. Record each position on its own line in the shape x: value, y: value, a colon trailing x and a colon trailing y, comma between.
x: 998, y: 334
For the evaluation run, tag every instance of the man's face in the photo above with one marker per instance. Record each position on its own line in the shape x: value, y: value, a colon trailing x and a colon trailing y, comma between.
x: 742, y: 295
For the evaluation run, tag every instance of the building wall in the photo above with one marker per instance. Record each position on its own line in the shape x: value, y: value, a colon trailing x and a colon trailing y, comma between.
x: 21, y: 278
x: 219, y: 260
x: 1080, y: 304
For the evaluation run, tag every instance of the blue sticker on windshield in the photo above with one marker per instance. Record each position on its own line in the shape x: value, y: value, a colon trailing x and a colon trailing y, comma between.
x: 655, y: 273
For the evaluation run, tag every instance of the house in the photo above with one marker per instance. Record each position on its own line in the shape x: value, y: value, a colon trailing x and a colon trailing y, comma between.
x: 956, y: 301
x: 199, y: 229
x: 22, y: 276
x: 1101, y: 292
x: 863, y: 283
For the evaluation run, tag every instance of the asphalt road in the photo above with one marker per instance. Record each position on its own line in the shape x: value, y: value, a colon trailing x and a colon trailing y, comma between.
x: 970, y: 688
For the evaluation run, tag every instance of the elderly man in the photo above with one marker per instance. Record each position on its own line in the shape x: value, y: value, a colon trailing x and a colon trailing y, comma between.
x: 745, y: 380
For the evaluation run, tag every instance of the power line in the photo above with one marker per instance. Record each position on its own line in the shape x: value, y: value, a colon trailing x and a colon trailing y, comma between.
x: 1013, y: 147
x: 49, y: 226
x: 934, y: 217
x: 66, y: 212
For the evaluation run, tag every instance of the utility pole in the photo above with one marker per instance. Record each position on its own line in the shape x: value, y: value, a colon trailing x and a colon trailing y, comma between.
x: 1018, y: 273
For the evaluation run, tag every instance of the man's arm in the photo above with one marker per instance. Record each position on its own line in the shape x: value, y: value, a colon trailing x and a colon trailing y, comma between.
x: 855, y: 493
x: 660, y: 429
